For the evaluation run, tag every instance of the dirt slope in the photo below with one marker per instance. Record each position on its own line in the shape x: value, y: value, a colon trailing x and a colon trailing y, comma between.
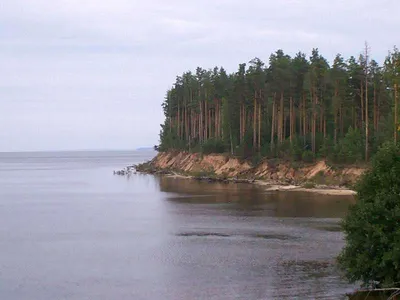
x: 269, y: 170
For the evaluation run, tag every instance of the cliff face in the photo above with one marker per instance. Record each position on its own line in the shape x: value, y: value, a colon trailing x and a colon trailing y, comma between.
x: 269, y: 170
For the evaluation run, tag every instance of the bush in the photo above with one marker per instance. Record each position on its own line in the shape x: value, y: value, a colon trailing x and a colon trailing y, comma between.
x: 170, y: 140
x: 309, y: 185
x: 245, y: 150
x: 326, y: 149
x: 308, y: 156
x: 350, y: 148
x: 256, y: 159
x: 372, y: 227
x: 265, y: 150
x: 213, y: 146
x: 296, y: 149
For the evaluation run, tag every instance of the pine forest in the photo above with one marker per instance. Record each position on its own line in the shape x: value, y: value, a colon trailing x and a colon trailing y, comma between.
x: 298, y: 108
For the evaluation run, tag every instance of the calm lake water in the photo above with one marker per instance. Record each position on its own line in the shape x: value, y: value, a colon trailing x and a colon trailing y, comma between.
x: 70, y: 229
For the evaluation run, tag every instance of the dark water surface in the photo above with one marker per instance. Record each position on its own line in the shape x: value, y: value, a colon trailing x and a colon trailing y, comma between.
x: 69, y: 229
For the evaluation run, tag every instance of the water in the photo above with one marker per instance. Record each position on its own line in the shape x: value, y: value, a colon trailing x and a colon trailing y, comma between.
x: 70, y: 229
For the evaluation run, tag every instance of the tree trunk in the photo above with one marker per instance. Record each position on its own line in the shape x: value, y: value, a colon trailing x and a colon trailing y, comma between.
x: 210, y: 123
x: 217, y: 129
x: 210, y: 134
x: 179, y: 122
x: 273, y: 125
x: 201, y: 122
x: 205, y: 121
x: 304, y: 119
x: 220, y: 122
x: 321, y: 119
x: 375, y: 112
x: 378, y: 113
x: 259, y: 126
x: 291, y: 120
x: 335, y: 113
x: 242, y: 128
x: 294, y: 120
x: 240, y: 124
x: 190, y: 116
x: 188, y: 120
x: 184, y: 122
x: 366, y: 118
x: 341, y: 119
x: 243, y: 122
x: 395, y: 113
x: 314, y: 123
x: 219, y: 119
x: 255, y: 121
x: 301, y: 132
x: 196, y: 127
x: 216, y: 119
x: 281, y: 125
x: 362, y: 104
x: 193, y: 123
x: 284, y: 128
x: 230, y: 136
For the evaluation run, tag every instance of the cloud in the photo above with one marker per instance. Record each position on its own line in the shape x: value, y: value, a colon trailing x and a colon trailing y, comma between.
x: 76, y: 74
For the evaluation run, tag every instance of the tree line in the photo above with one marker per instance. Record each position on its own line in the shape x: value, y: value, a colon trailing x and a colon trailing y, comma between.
x: 292, y: 107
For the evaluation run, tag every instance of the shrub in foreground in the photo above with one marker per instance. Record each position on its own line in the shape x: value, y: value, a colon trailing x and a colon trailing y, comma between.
x: 372, y: 227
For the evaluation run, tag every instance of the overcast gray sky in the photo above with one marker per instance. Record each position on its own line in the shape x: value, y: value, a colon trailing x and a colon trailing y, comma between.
x: 91, y: 74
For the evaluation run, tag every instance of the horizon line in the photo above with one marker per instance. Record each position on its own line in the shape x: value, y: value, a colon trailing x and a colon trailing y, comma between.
x: 78, y: 150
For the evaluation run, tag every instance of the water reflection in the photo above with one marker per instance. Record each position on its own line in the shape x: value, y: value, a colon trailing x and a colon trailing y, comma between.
x: 267, y: 245
x: 72, y: 230
x: 255, y: 199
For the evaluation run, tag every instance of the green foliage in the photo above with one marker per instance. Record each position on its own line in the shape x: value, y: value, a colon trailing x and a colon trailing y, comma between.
x: 309, y: 185
x: 372, y: 227
x: 327, y: 148
x: 213, y: 146
x: 308, y: 156
x: 350, y: 148
x: 260, y: 107
x: 296, y: 149
x: 284, y: 149
x: 266, y: 150
x: 245, y: 150
x: 170, y: 140
x: 256, y: 159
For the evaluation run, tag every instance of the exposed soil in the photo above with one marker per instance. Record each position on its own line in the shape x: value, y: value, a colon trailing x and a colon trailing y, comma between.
x: 275, y: 174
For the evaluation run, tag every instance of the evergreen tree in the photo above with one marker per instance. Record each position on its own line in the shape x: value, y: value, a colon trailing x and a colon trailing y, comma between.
x: 286, y: 106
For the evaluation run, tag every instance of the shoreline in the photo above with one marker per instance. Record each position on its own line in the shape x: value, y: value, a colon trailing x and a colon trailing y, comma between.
x: 275, y: 187
x: 269, y: 185
x: 275, y: 175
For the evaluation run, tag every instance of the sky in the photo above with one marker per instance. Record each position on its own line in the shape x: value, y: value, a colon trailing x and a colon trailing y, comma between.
x: 92, y: 74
